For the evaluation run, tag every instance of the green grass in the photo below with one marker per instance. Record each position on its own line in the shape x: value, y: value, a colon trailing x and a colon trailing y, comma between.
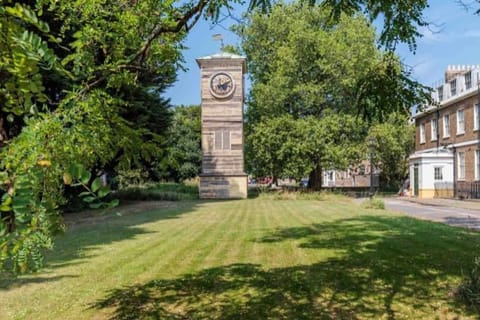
x: 249, y: 259
x: 374, y: 203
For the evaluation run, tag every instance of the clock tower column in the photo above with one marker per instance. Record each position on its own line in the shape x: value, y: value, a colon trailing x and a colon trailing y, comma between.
x: 223, y: 175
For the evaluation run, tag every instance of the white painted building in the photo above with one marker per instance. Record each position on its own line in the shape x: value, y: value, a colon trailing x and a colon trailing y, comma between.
x: 431, y: 173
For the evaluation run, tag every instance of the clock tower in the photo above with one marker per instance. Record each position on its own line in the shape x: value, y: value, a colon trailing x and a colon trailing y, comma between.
x: 222, y: 84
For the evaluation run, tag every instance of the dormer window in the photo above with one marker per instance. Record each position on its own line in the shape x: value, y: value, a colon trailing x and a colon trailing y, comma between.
x: 440, y: 93
x: 453, y: 87
x: 468, y: 80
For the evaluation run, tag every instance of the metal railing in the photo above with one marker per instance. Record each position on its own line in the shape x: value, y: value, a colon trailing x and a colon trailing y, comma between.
x: 468, y: 190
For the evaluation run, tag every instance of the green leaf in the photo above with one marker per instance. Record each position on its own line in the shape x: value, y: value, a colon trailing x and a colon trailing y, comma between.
x: 103, y: 191
x: 3, y: 176
x: 6, y: 199
x: 113, y: 203
x: 96, y: 184
x: 74, y: 169
x: 20, y: 202
x: 85, y: 177
x: 5, y: 208
x: 20, y: 212
x: 89, y: 199
x: 95, y: 205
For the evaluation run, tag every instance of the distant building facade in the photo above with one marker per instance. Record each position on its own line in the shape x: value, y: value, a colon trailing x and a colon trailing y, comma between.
x: 354, y: 176
x: 446, y: 161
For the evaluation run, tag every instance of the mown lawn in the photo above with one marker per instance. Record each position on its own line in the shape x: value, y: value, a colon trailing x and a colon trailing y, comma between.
x: 249, y: 259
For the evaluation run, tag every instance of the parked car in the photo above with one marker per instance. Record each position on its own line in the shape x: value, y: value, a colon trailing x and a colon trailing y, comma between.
x: 304, y: 182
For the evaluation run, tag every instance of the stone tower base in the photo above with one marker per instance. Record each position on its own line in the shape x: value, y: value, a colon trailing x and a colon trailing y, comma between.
x: 223, y: 187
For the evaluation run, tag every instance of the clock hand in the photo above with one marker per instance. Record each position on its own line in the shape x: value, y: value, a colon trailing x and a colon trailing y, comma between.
x: 225, y: 84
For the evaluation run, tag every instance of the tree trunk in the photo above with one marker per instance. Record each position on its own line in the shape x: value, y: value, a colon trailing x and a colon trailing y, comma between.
x: 315, y: 179
x: 3, y: 133
x: 274, y: 181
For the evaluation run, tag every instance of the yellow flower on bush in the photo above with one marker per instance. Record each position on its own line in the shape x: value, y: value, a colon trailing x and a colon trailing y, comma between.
x: 44, y: 163
x: 67, y: 179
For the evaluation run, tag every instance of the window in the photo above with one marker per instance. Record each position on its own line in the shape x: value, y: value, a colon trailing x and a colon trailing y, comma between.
x: 453, y: 87
x: 222, y: 140
x: 422, y: 133
x: 477, y: 164
x: 434, y: 129
x: 468, y: 80
x: 438, y: 174
x: 476, y: 116
x: 446, y: 126
x: 461, y: 165
x: 460, y: 122
x: 440, y: 93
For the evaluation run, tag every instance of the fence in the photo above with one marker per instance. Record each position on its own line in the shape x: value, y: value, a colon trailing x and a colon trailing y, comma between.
x: 468, y: 190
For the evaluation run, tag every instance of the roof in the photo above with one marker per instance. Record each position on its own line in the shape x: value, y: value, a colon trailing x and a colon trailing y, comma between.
x: 224, y: 56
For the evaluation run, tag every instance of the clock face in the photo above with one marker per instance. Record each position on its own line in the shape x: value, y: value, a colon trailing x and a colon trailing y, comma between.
x: 221, y: 85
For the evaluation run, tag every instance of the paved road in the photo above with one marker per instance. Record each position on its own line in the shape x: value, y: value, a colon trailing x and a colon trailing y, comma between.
x: 467, y: 218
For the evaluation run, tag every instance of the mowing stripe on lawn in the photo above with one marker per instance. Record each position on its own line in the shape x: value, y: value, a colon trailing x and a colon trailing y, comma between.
x: 177, y: 262
x: 225, y: 237
x: 203, y: 249
x: 313, y: 260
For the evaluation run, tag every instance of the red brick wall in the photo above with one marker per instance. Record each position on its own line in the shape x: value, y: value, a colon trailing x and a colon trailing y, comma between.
x: 467, y: 105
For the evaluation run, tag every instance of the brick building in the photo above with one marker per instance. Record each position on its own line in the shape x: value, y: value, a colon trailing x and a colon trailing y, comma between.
x: 354, y: 176
x: 446, y: 161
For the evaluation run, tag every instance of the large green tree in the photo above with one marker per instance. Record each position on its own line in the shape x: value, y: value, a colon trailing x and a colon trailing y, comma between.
x: 183, y: 154
x: 302, y: 65
x: 394, y: 141
x: 81, y: 88
x: 288, y: 147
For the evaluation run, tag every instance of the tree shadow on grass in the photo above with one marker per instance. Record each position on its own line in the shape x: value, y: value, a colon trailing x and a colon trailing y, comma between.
x: 83, y: 236
x: 386, y: 267
x: 238, y: 291
x: 466, y: 222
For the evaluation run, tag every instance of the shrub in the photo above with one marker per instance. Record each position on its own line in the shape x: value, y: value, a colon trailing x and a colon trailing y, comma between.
x: 158, y: 192
x: 130, y: 178
x: 374, y: 203
x: 300, y: 195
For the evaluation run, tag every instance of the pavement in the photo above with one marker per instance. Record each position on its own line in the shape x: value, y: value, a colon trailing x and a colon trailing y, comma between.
x: 452, y: 203
x: 462, y: 213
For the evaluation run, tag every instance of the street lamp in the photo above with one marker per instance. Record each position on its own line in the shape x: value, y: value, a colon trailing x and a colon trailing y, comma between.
x: 371, y: 144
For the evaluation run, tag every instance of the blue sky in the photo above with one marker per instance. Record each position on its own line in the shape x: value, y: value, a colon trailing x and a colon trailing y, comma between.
x: 452, y: 39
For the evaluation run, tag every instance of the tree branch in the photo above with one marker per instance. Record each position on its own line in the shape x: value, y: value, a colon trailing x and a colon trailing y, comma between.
x: 191, y: 16
x: 182, y: 22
